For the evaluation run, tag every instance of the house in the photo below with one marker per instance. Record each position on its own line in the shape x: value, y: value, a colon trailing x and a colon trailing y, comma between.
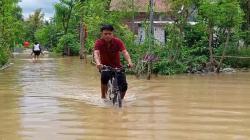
x: 141, y: 15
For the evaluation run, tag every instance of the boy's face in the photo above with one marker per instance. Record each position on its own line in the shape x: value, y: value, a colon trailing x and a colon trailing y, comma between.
x: 107, y: 35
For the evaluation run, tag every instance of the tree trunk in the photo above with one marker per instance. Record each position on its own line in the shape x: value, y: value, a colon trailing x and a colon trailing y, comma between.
x: 133, y: 18
x: 248, y: 15
x: 68, y: 51
x: 108, y: 5
x: 3, y: 19
x: 211, y: 57
x: 151, y: 37
x: 224, y: 51
x: 68, y: 16
x: 83, y: 54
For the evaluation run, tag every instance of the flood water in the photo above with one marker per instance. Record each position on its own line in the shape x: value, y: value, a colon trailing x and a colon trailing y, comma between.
x: 59, y: 99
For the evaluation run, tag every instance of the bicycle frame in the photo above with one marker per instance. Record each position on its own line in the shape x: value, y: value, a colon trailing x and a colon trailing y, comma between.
x: 113, y: 88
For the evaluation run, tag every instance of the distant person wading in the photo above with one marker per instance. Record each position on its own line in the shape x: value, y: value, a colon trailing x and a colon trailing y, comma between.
x: 36, y: 50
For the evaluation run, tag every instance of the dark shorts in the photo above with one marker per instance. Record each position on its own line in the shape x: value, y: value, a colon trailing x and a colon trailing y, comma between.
x: 121, y: 79
x: 37, y: 52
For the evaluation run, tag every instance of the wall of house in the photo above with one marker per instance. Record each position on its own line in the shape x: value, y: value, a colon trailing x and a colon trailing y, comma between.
x: 159, y: 35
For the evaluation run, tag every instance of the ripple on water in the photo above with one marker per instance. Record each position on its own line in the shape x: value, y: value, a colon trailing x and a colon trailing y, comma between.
x: 60, y: 99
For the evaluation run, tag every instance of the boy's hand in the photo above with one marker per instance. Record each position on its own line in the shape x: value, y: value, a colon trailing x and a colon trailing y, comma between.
x: 99, y: 66
x: 130, y: 65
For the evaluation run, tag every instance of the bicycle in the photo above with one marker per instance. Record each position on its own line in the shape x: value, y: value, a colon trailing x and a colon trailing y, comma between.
x: 114, y: 92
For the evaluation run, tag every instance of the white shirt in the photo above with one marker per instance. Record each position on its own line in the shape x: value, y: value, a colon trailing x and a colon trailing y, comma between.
x: 36, y: 47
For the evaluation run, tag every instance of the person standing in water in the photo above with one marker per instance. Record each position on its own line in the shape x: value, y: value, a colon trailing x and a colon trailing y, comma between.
x: 36, y: 50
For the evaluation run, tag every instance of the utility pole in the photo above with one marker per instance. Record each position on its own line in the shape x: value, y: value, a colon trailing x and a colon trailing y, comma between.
x: 151, y: 17
x: 133, y: 17
x: 151, y: 34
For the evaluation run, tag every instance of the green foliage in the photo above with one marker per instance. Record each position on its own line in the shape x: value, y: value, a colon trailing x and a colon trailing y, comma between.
x: 169, y: 68
x: 42, y: 35
x: 187, y: 45
x: 69, y: 40
x: 9, y: 21
x: 245, y: 6
x: 10, y: 27
x: 47, y: 35
x: 179, y: 54
x: 64, y: 13
x: 4, y: 56
x: 94, y: 14
x: 230, y: 14
x: 33, y: 23
x: 245, y: 35
x: 209, y: 12
x: 194, y: 34
x: 240, y: 59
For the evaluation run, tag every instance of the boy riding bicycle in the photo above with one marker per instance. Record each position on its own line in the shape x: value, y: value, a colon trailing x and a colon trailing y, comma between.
x: 107, y: 52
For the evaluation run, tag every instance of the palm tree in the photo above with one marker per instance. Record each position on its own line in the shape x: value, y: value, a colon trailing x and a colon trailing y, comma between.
x: 35, y: 21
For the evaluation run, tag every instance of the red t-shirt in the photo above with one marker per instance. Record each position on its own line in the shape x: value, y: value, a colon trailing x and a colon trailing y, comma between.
x: 110, y: 51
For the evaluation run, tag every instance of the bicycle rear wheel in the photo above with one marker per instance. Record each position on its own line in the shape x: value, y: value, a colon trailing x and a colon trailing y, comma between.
x: 115, y: 98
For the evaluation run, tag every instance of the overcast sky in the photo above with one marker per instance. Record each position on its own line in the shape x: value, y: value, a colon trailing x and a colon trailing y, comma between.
x: 29, y: 6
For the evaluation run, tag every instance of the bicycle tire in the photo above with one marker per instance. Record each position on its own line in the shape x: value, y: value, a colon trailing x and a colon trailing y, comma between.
x: 115, y: 98
x: 110, y: 90
x: 119, y: 99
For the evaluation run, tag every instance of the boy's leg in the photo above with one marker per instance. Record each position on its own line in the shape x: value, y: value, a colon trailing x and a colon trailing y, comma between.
x: 105, y: 76
x: 104, y: 89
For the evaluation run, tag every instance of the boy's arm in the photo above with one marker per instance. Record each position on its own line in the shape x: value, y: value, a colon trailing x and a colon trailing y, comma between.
x: 127, y: 57
x: 32, y: 50
x: 41, y: 49
x: 97, y: 59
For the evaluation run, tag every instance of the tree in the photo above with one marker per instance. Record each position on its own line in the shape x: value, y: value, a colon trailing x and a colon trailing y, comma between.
x: 10, y: 27
x: 34, y: 22
x: 230, y: 19
x: 181, y: 11
x: 64, y: 11
x: 208, y: 12
x: 9, y: 21
x: 47, y: 35
x: 92, y: 14
x: 245, y: 6
x: 83, y: 30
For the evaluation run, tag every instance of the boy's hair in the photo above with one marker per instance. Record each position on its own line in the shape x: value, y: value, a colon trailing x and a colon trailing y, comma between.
x: 36, y: 43
x: 108, y: 27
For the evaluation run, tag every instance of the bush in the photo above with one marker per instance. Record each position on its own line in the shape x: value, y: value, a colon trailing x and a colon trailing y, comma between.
x: 4, y: 56
x: 70, y: 41
x: 234, y: 61
x: 168, y: 68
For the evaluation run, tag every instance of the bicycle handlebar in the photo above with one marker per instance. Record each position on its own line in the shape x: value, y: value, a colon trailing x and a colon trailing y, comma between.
x: 109, y: 68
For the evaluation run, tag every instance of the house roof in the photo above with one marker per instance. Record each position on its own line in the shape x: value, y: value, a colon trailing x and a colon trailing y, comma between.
x: 140, y: 5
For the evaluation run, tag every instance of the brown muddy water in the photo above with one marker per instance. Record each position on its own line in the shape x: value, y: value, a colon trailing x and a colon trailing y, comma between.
x: 59, y: 99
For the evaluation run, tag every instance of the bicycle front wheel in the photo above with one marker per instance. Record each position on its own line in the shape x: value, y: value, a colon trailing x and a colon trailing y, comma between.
x: 119, y: 99
x: 110, y: 88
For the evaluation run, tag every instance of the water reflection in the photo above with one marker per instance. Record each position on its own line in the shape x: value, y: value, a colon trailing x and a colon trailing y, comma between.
x: 59, y: 98
x: 10, y: 93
